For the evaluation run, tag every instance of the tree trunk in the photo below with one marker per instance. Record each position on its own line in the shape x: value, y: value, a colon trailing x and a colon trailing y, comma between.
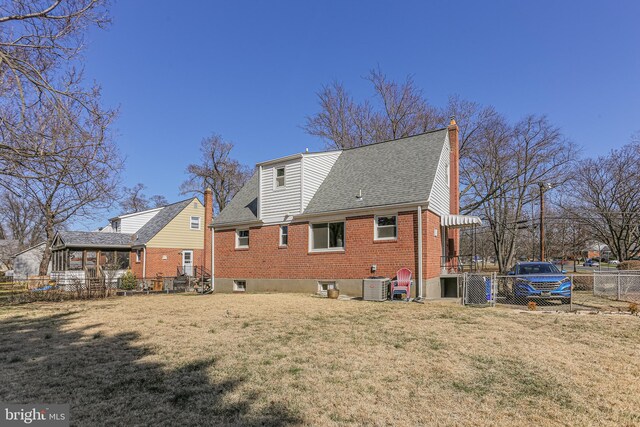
x: 46, y: 256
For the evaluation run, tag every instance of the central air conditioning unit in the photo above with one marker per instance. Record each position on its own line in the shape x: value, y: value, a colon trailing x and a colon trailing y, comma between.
x: 375, y: 289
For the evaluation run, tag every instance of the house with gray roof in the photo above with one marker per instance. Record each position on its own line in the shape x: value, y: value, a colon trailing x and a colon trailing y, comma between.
x: 168, y: 241
x: 313, y: 221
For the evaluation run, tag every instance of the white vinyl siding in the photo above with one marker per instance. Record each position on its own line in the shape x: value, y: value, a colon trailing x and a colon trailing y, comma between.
x: 133, y: 223
x: 439, y: 197
x: 277, y: 202
x: 316, y: 169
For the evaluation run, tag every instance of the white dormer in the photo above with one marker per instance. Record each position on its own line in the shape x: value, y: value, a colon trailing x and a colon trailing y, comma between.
x: 133, y: 222
x: 288, y: 184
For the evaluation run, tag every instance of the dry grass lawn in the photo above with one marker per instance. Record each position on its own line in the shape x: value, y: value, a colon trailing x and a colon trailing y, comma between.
x: 296, y: 359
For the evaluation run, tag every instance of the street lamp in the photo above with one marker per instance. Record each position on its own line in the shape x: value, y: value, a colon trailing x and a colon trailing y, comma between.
x: 544, y: 186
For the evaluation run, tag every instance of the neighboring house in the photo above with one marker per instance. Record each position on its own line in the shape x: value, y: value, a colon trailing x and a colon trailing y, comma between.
x: 597, y: 250
x: 310, y: 221
x: 167, y: 241
x: 7, y: 248
x: 26, y: 264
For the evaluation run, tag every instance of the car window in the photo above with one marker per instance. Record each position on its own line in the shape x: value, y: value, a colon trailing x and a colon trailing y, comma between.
x: 538, y: 269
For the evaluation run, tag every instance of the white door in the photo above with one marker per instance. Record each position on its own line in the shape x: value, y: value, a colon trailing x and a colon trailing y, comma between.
x: 187, y: 262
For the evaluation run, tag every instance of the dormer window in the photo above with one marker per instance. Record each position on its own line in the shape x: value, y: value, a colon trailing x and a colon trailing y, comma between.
x: 279, y: 177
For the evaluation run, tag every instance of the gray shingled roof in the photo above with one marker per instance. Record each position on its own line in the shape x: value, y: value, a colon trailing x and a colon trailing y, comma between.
x: 95, y: 239
x: 159, y: 221
x: 243, y: 207
x: 388, y: 173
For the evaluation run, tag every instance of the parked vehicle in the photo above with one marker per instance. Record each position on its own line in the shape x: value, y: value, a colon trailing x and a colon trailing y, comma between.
x: 614, y: 262
x: 540, y: 280
x: 591, y: 263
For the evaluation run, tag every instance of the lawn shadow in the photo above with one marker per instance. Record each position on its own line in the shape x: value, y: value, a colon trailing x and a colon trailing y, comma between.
x: 106, y: 380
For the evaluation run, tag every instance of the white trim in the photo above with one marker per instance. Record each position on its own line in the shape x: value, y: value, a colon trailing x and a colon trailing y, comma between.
x: 419, y: 252
x: 329, y: 249
x: 144, y: 262
x: 213, y: 259
x: 139, y: 213
x: 375, y: 227
x: 368, y: 209
x: 259, y: 203
x: 238, y: 246
x: 302, y: 184
x: 280, y: 159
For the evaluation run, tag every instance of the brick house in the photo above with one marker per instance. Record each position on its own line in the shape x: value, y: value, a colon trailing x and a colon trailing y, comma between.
x: 167, y: 241
x: 310, y: 221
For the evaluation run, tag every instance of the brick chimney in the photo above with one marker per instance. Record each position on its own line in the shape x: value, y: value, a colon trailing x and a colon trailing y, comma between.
x: 208, y: 218
x: 454, y: 185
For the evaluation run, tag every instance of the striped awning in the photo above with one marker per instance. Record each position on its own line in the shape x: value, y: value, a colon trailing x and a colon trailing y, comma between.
x: 459, y: 221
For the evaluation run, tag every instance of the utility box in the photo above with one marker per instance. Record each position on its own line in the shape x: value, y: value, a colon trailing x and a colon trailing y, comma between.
x: 375, y: 289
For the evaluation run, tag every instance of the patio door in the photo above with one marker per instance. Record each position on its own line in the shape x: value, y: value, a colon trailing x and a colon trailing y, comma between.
x: 187, y: 262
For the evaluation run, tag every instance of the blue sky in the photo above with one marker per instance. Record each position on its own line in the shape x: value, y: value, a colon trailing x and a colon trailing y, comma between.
x: 250, y: 70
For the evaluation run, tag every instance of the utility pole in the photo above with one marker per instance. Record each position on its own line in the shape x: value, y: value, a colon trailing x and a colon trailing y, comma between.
x: 543, y: 187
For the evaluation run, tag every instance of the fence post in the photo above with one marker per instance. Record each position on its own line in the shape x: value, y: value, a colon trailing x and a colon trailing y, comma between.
x: 571, y: 295
x: 464, y: 288
x: 618, y: 287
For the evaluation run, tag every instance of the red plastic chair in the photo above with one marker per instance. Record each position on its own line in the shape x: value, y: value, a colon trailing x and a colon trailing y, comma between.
x: 402, y: 284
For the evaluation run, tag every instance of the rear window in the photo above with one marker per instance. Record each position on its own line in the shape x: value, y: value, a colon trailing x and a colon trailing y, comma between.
x: 538, y: 269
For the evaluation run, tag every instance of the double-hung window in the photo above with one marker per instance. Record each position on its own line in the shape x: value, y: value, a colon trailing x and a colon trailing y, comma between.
x: 195, y: 223
x: 327, y: 236
x: 242, y: 238
x: 280, y: 177
x: 386, y: 227
x: 284, y: 235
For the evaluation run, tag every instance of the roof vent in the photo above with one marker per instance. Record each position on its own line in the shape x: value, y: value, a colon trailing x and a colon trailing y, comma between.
x: 359, y: 195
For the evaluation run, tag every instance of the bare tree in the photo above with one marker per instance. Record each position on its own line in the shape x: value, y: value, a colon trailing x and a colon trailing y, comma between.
x: 134, y: 200
x: 508, y: 162
x: 40, y: 44
x: 216, y: 170
x: 401, y: 111
x: 608, y: 199
x: 23, y: 220
x: 80, y: 179
x: 158, y: 201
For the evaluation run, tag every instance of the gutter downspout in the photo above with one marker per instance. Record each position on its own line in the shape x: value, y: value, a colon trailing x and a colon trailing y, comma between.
x: 213, y: 260
x: 419, y: 289
x: 144, y: 262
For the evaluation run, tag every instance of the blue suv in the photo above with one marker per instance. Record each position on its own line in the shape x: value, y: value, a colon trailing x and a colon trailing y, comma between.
x: 540, y: 280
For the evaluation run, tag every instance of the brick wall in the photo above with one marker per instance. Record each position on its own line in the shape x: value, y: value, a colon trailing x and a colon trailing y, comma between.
x: 157, y: 264
x: 432, y: 245
x: 265, y: 259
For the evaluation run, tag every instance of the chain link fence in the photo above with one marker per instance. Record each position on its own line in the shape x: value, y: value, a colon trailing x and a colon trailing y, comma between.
x: 540, y: 292
x: 623, y: 285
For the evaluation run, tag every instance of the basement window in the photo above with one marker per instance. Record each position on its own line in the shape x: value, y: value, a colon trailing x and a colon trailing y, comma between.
x: 239, y: 286
x: 323, y: 287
